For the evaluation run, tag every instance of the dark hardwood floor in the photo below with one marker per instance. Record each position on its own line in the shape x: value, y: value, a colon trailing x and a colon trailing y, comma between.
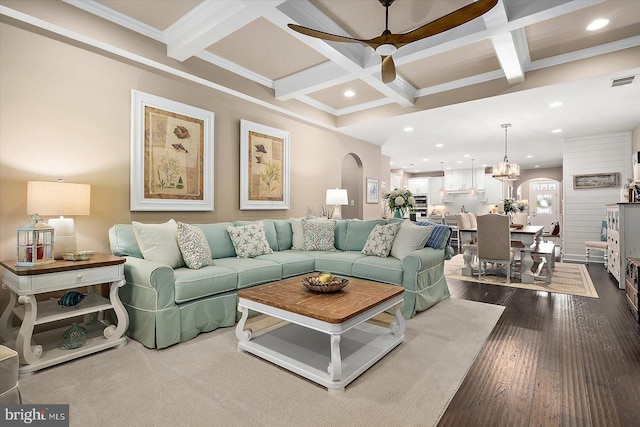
x: 552, y: 360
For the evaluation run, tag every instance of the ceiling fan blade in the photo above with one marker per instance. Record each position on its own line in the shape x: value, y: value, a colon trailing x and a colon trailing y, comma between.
x: 447, y: 22
x: 322, y: 35
x: 388, y: 69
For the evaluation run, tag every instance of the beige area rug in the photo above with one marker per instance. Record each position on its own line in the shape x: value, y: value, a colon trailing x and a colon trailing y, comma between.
x: 568, y: 278
x: 208, y: 382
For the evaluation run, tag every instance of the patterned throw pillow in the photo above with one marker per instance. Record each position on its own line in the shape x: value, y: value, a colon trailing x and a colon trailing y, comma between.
x: 380, y: 240
x: 319, y: 234
x: 249, y: 240
x: 194, y: 246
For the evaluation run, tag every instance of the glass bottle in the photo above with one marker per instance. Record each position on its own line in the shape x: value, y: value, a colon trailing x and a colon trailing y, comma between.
x: 74, y: 337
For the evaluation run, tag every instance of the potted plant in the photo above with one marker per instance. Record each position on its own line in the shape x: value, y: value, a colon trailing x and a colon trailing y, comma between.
x: 399, y: 202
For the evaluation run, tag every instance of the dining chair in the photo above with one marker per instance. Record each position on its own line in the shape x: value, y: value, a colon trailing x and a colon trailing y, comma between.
x: 494, y: 243
x: 520, y: 218
x: 464, y: 223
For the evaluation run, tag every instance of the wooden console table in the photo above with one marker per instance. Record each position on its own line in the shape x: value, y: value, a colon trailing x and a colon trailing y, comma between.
x: 24, y: 283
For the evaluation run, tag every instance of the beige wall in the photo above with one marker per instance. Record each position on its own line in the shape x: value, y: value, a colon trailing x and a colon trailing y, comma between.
x: 65, y: 112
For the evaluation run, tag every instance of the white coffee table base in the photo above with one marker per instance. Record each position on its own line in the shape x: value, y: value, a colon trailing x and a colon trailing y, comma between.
x: 332, y: 355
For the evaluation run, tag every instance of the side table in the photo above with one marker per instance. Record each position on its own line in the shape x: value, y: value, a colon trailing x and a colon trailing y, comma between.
x: 24, y: 283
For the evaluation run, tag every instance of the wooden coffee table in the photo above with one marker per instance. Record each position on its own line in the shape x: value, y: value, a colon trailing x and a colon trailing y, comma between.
x: 327, y: 338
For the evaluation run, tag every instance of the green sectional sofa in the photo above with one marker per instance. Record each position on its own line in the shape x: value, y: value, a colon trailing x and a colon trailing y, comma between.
x: 170, y: 305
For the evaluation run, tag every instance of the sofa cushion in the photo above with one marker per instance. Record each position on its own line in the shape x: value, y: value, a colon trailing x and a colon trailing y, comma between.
x: 210, y: 280
x: 159, y: 242
x: 340, y: 234
x: 297, y: 235
x: 193, y: 245
x: 122, y: 241
x: 358, y: 232
x: 269, y: 231
x: 387, y: 270
x: 318, y: 234
x: 293, y: 262
x: 380, y: 240
x: 249, y: 240
x: 337, y: 262
x: 251, y: 271
x: 284, y: 235
x: 219, y: 240
x: 409, y: 238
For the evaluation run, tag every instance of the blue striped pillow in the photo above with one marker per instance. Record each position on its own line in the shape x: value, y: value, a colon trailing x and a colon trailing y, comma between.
x: 440, y: 236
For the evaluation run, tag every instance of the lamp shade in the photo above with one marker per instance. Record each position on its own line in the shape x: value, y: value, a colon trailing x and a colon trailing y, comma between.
x: 337, y: 197
x: 58, y: 198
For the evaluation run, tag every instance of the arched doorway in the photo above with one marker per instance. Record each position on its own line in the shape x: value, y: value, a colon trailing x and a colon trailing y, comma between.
x: 545, y: 201
x: 352, y: 180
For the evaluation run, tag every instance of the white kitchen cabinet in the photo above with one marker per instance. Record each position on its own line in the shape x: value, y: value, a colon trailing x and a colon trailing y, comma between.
x: 418, y: 185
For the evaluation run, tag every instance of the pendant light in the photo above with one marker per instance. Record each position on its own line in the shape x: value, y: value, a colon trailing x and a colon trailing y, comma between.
x: 505, y: 171
x: 442, y: 183
x: 472, y: 190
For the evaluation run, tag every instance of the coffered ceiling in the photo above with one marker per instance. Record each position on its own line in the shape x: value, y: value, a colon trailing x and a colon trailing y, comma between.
x: 454, y: 88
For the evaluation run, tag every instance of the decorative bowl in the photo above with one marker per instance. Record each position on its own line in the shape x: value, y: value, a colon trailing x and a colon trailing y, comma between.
x: 78, y: 256
x: 334, y: 284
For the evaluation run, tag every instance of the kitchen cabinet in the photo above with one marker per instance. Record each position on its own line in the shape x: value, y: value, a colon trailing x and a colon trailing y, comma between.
x: 418, y: 185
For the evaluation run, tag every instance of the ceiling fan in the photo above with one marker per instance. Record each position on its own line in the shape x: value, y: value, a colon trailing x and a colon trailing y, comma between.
x: 387, y: 43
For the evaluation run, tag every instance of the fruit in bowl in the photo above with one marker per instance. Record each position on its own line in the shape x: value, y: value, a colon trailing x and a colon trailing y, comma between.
x: 324, y: 282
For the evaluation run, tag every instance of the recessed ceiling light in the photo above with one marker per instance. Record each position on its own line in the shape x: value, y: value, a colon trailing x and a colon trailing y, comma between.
x: 439, y: 145
x: 349, y: 93
x: 536, y: 166
x: 467, y: 155
x: 408, y: 129
x: 555, y: 104
x: 459, y: 161
x: 596, y: 24
x: 448, y: 168
x: 425, y: 160
x: 556, y: 131
x: 529, y: 156
x: 484, y: 165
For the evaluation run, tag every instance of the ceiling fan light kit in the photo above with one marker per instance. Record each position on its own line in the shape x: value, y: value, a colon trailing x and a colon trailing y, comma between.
x: 387, y: 43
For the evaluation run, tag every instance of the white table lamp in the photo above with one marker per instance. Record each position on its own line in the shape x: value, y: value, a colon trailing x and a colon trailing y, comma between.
x: 59, y: 198
x: 337, y: 197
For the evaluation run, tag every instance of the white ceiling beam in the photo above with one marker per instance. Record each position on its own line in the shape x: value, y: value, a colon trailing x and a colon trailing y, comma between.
x: 210, y: 22
x: 504, y: 44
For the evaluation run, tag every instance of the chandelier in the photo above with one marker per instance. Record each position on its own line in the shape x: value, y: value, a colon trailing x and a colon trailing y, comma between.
x: 505, y: 171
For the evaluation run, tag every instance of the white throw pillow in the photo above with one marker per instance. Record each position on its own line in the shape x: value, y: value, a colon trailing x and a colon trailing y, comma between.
x: 194, y: 246
x: 249, y: 240
x: 297, y: 241
x: 159, y: 242
x: 409, y: 238
x: 380, y: 240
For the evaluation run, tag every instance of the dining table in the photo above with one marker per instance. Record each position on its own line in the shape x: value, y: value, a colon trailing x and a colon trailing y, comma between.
x: 526, y: 235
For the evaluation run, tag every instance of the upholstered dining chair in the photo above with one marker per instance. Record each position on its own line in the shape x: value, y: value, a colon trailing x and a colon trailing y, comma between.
x: 494, y: 243
x: 464, y: 223
x: 520, y: 218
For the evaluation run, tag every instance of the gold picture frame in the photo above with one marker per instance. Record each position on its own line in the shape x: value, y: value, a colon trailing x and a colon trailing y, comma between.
x: 264, y: 167
x: 171, y: 155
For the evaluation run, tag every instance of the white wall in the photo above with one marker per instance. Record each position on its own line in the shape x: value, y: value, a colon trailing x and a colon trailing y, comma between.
x: 584, y: 210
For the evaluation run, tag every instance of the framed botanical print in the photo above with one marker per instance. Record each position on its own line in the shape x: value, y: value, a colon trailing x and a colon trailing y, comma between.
x: 373, y: 191
x: 264, y: 167
x: 171, y: 155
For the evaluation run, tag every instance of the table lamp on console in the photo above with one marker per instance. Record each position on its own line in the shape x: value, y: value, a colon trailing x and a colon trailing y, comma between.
x: 59, y: 198
x: 336, y: 197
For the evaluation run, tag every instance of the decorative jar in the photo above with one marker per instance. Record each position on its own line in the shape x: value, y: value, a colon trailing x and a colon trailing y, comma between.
x: 74, y: 337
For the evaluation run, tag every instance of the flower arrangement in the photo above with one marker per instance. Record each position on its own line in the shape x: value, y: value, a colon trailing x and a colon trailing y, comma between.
x: 399, y: 201
x: 513, y: 205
